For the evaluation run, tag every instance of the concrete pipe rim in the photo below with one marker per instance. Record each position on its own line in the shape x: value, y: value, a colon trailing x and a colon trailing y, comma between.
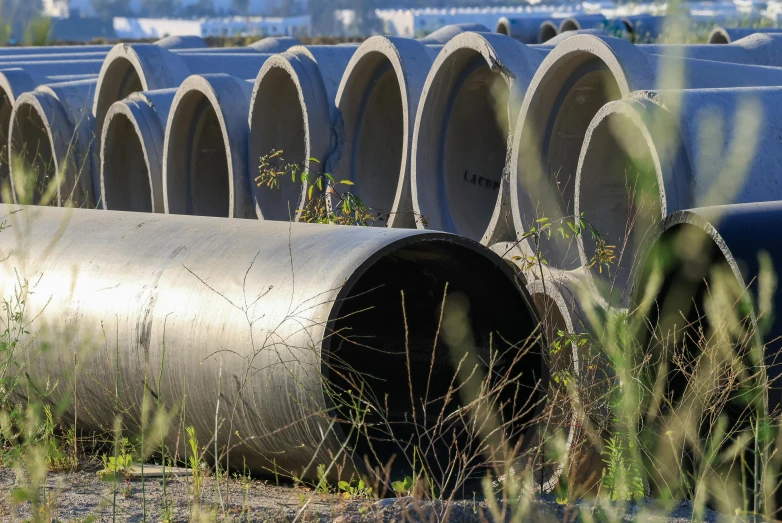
x: 560, y: 312
x: 287, y: 66
x: 42, y: 112
x: 433, y: 195
x: 503, y: 27
x: 719, y: 35
x: 197, y: 91
x: 464, y: 249
x: 633, y: 119
x: 8, y: 96
x: 376, y: 65
x: 123, y: 116
x: 578, y: 60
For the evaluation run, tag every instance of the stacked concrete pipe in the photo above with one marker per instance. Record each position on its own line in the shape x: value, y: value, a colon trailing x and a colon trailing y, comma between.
x: 51, y: 146
x: 468, y: 105
x: 655, y: 143
x: 166, y: 290
x: 205, y: 151
x: 729, y: 35
x: 527, y: 29
x: 131, y: 152
x: 148, y: 67
x: 292, y: 110
x: 576, y: 79
x: 709, y: 274
x: 321, y: 116
x: 547, y: 31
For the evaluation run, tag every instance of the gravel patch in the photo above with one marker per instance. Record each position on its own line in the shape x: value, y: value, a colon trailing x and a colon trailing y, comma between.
x: 82, y: 496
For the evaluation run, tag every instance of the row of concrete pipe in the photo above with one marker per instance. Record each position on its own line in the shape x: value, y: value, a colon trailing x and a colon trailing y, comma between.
x: 466, y: 131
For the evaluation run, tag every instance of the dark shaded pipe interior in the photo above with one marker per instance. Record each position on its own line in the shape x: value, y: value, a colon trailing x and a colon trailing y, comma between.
x: 33, y: 149
x: 126, y: 180
x: 422, y: 272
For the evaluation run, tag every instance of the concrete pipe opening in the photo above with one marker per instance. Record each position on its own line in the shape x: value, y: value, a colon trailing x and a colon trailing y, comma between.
x: 719, y: 36
x: 376, y: 130
x: 6, y: 108
x: 618, y: 193
x: 197, y: 174
x: 32, y: 154
x: 462, y: 129
x: 503, y: 27
x: 548, y: 30
x: 126, y: 181
x: 373, y: 315
x: 278, y: 122
x: 117, y: 81
x: 565, y: 94
x: 699, y: 328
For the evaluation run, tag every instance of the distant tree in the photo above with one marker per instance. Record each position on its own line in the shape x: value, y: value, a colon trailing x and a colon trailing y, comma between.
x: 322, y: 15
x: 106, y: 9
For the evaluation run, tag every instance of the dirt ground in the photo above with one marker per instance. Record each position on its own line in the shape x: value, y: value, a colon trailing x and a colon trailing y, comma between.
x: 82, y: 496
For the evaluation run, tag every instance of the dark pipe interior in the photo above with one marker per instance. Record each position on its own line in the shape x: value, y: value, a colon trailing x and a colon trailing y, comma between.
x: 372, y: 340
x: 680, y: 317
x: 32, y: 148
x: 126, y: 178
x: 120, y: 81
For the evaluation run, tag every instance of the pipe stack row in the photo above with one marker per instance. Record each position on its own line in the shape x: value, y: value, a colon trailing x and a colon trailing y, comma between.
x: 466, y: 131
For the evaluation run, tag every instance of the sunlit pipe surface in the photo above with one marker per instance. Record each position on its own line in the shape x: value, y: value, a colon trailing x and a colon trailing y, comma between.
x: 238, y: 326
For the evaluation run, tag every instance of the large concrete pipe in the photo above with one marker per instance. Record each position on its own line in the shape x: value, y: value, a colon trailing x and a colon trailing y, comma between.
x: 727, y: 35
x: 148, y: 67
x: 460, y: 142
x: 584, y: 21
x: 292, y: 109
x: 270, y: 379
x: 181, y: 42
x: 655, y: 143
x: 525, y: 29
x: 645, y: 28
x: 446, y: 33
x: 711, y: 325
x: 576, y: 79
x: 205, y: 151
x: 755, y: 49
x: 131, y: 152
x: 51, y: 142
x: 377, y: 100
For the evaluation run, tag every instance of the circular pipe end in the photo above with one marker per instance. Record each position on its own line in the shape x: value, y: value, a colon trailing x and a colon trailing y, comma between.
x: 205, y: 150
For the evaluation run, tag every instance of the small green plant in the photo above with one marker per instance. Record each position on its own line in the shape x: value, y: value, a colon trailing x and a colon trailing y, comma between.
x: 323, y: 486
x: 329, y: 205
x: 194, y: 461
x: 621, y: 476
x: 404, y: 486
x: 352, y: 490
x: 119, y: 465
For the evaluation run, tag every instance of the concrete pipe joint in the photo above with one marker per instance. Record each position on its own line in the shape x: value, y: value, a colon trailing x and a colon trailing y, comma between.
x: 292, y: 110
x: 575, y: 80
x: 205, y: 150
x: 51, y: 146
x: 657, y: 144
x: 148, y: 67
x: 131, y: 154
x: 728, y: 35
x: 460, y: 140
x: 708, y: 275
x: 281, y: 399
